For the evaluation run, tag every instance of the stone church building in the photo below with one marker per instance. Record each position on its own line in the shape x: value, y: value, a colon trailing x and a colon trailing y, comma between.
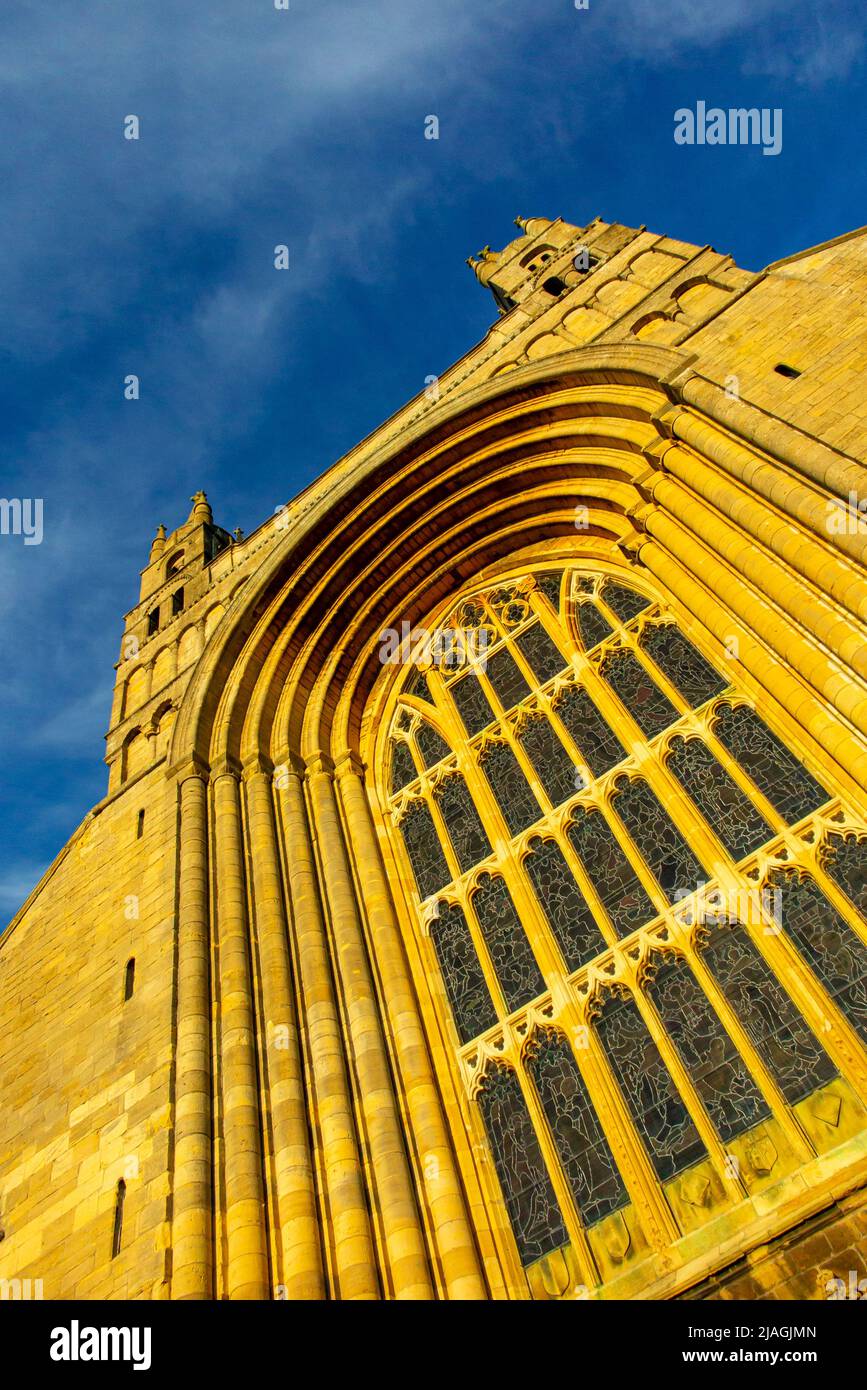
x: 478, y: 906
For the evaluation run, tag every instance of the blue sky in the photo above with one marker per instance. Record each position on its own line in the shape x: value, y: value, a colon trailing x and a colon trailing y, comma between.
x: 306, y: 127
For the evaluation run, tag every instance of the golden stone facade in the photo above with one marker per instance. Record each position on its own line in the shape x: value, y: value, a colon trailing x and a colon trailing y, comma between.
x: 478, y: 908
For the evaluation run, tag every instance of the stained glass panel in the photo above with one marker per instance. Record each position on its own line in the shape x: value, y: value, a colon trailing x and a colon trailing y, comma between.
x: 503, y: 673
x: 511, y: 956
x: 431, y: 746
x: 775, y: 1028
x: 510, y: 787
x: 626, y: 603
x: 663, y: 848
x: 846, y: 863
x: 402, y: 766
x: 462, y: 821
x: 550, y: 585
x: 570, y: 919
x: 587, y: 1160
x: 598, y: 744
x: 716, y: 1069
x: 543, y: 655
x: 663, y: 1121
x: 472, y: 704
x: 424, y: 849
x: 554, y: 767
x: 642, y: 697
x: 729, y: 812
x: 827, y: 943
x: 682, y: 663
x: 610, y: 872
x: 774, y: 770
x: 462, y: 975
x: 593, y: 626
x: 420, y: 688
x: 535, y: 1217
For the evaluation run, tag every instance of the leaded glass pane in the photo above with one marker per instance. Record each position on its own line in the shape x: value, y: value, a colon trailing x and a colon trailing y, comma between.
x: 662, y: 847
x: 644, y: 700
x: 626, y: 603
x: 543, y: 655
x: 508, y: 683
x: 682, y: 663
x: 846, y: 863
x: 587, y: 1160
x: 510, y: 787
x: 550, y: 585
x: 570, y: 919
x: 432, y: 748
x: 420, y: 688
x: 774, y: 770
x: 462, y: 821
x: 598, y: 744
x: 472, y: 704
x: 462, y: 974
x: 511, y: 955
x: 775, y: 1028
x: 554, y: 768
x: 592, y: 625
x: 730, y: 813
x: 535, y: 1217
x: 402, y: 766
x: 610, y: 872
x: 716, y: 1069
x: 424, y: 849
x: 663, y: 1121
x: 827, y: 942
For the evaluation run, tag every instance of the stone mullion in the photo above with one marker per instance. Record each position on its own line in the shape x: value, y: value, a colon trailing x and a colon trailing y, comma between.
x: 247, y: 1270
x: 298, y: 1232
x: 775, y: 578
x: 760, y: 1073
x: 396, y: 1205
x: 768, y: 656
x: 348, y: 1219
x: 192, y: 1182
x: 804, y: 546
x: 451, y: 1227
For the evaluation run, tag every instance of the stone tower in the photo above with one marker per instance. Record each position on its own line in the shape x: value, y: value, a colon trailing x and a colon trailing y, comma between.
x: 478, y: 907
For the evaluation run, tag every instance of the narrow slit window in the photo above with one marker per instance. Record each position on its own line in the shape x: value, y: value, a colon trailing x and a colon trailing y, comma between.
x: 129, y: 979
x: 783, y: 369
x: 139, y: 825
x: 117, y: 1234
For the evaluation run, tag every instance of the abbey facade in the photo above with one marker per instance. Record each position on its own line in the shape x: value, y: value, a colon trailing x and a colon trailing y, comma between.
x: 478, y: 908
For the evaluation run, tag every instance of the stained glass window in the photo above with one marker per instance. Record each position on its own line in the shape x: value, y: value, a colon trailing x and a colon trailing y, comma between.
x: 826, y: 941
x: 462, y: 974
x: 774, y: 770
x: 651, y: 710
x: 554, y: 767
x: 424, y: 849
x: 626, y: 603
x: 550, y: 585
x: 846, y: 863
x: 432, y: 748
x: 587, y: 1160
x: 775, y: 1028
x: 730, y: 813
x: 719, y: 1074
x: 535, y: 1217
x: 402, y: 766
x: 571, y: 920
x: 462, y: 821
x: 472, y: 704
x: 593, y: 626
x: 510, y: 787
x: 663, y: 848
x: 544, y: 656
x: 684, y: 665
x: 420, y: 688
x: 610, y: 872
x: 505, y: 677
x: 661, y: 1118
x: 598, y: 744
x: 511, y: 956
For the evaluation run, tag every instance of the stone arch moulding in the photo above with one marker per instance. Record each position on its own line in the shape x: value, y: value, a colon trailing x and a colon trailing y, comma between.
x: 595, y: 458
